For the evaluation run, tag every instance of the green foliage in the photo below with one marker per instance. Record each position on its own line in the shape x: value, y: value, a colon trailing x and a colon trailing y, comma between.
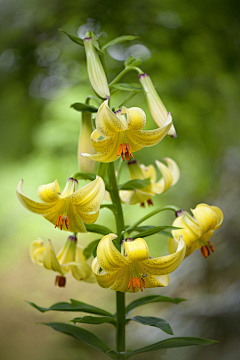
x: 119, y: 39
x: 134, y: 184
x: 74, y: 305
x: 84, y: 107
x: 88, y: 251
x: 133, y: 61
x: 81, y: 334
x: 128, y: 87
x: 152, y: 230
x: 95, y: 320
x: 154, y: 321
x: 99, y: 229
x: 75, y: 39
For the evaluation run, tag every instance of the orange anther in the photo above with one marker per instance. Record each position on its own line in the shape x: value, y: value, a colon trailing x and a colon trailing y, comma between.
x: 129, y: 283
x: 124, y: 149
x: 142, y: 204
x: 61, y: 219
x: 205, y: 251
x: 119, y: 152
x: 149, y: 201
x: 143, y: 281
x: 127, y: 156
x: 211, y: 246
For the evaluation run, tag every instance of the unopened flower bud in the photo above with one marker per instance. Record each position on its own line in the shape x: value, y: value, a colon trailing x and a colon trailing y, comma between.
x: 85, y: 145
x: 155, y: 104
x: 96, y: 72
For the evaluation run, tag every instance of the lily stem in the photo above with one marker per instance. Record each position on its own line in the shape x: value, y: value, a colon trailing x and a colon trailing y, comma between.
x: 169, y: 207
x: 120, y: 339
x: 122, y: 73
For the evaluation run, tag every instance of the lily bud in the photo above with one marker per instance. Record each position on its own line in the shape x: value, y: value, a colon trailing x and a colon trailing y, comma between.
x: 85, y: 145
x: 96, y: 72
x: 157, y: 109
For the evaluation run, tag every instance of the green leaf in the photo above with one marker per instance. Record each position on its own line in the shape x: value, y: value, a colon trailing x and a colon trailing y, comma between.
x: 133, y: 61
x: 84, y: 176
x: 99, y: 229
x: 128, y: 87
x: 153, y: 230
x: 172, y: 343
x: 96, y: 320
x: 118, y: 355
x: 87, y: 252
x: 73, y: 306
x: 81, y: 334
x: 154, y: 321
x: 95, y: 41
x: 84, y: 107
x: 119, y: 39
x: 152, y: 299
x: 75, y: 39
x: 111, y: 207
x: 134, y: 184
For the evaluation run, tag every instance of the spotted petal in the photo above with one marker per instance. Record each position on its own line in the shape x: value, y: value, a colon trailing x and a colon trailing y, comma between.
x: 107, y: 123
x: 136, y: 118
x: 49, y: 193
x: 109, y: 257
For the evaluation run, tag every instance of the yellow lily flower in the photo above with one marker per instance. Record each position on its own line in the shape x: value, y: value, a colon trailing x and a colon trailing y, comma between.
x: 70, y: 209
x: 196, y: 230
x: 170, y: 176
x: 133, y: 269
x: 121, y: 136
x: 70, y: 257
x: 155, y: 104
x: 84, y: 144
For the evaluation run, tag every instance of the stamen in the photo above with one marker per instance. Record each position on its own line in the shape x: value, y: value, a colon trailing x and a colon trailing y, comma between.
x: 211, y: 246
x: 61, y: 219
x: 149, y: 201
x: 142, y: 204
x: 125, y: 150
x: 60, y: 281
x: 129, y: 283
x: 205, y: 251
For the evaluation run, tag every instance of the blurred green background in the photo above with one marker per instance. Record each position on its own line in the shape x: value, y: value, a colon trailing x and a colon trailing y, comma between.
x: 191, y: 51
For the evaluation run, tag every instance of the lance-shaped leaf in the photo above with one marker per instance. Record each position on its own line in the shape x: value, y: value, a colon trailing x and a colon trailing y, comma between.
x: 111, y: 207
x: 74, y: 305
x: 134, y: 184
x: 148, y: 227
x: 81, y: 334
x: 95, y: 41
x: 118, y: 40
x: 153, y: 230
x: 84, y: 176
x: 132, y: 61
x: 99, y: 229
x: 172, y: 343
x: 87, y: 252
x: 75, y: 39
x: 128, y: 87
x: 152, y: 299
x: 95, y: 320
x: 84, y: 107
x: 154, y: 321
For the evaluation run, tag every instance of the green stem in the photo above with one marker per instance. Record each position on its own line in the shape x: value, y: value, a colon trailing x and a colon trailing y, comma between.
x: 120, y: 339
x: 123, y: 72
x: 116, y: 200
x: 169, y: 207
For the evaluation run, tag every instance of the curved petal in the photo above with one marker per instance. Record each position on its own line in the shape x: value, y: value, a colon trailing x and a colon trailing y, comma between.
x: 34, y: 206
x: 107, y: 123
x: 125, y: 195
x: 149, y: 137
x: 136, y: 250
x: 49, y: 193
x: 165, y: 264
x: 156, y: 281
x: 140, y: 196
x: 101, y: 146
x: 88, y: 218
x: 50, y: 261
x: 89, y: 197
x: 56, y: 211
x: 166, y: 181
x: 174, y: 170
x: 109, y: 258
x: 67, y: 253
x: 36, y: 251
x: 149, y: 172
x: 185, y: 231
x: 136, y: 118
x: 207, y: 217
x: 220, y: 214
x: 75, y: 222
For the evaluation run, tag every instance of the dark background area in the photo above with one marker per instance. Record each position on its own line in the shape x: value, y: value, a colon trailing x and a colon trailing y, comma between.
x: 191, y: 51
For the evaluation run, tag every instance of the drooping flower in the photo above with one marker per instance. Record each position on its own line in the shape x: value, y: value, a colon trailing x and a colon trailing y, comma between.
x: 155, y: 104
x: 70, y: 209
x: 196, y: 230
x: 116, y: 135
x: 84, y: 144
x: 133, y: 269
x: 70, y: 257
x: 170, y: 176
x: 96, y: 72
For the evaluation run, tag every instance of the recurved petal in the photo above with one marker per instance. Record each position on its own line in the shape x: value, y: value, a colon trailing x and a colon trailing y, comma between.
x: 75, y: 222
x: 104, y: 279
x: 50, y: 261
x: 136, y: 118
x: 107, y: 123
x: 174, y: 170
x: 190, y: 233
x: 166, y: 181
x: 36, y: 251
x: 165, y: 264
x: 109, y: 258
x: 207, y: 217
x: 220, y: 214
x: 140, y: 196
x: 125, y: 195
x: 136, y: 250
x: 89, y: 197
x: 88, y: 218
x: 34, y: 206
x: 100, y: 146
x: 49, y: 193
x: 156, y: 281
x: 149, y: 172
x: 149, y: 137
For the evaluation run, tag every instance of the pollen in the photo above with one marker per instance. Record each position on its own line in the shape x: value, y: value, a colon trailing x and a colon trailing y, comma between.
x: 125, y: 150
x: 60, y: 221
x: 136, y: 282
x: 205, y: 250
